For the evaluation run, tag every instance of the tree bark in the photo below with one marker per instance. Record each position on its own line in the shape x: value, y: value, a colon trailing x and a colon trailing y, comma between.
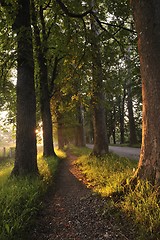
x: 60, y: 136
x: 48, y: 149
x: 121, y: 117
x: 80, y: 133
x: 26, y: 152
x: 112, y: 125
x: 147, y: 20
x: 132, y: 126
x: 99, y: 116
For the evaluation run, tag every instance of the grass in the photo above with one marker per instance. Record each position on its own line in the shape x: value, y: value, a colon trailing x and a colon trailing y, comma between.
x: 20, y: 199
x: 140, y: 207
x: 107, y: 173
x: 143, y: 205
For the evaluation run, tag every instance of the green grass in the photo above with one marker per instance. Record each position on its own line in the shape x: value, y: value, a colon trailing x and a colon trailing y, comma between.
x: 20, y: 199
x: 140, y: 207
x: 5, y: 170
x: 106, y: 174
x: 79, y: 151
x: 143, y: 205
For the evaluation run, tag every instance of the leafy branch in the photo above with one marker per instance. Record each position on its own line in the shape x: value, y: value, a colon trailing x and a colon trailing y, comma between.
x: 100, y: 23
x: 71, y: 14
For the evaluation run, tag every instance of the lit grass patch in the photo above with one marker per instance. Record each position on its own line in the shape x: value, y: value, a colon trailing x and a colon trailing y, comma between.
x: 5, y: 170
x: 143, y: 204
x: 20, y: 198
x: 79, y: 151
x: 106, y: 174
x: 139, y: 207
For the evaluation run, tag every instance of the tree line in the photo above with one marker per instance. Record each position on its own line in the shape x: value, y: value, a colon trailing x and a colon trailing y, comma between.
x: 78, y: 68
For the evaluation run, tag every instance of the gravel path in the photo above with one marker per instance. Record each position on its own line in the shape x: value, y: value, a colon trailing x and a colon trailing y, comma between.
x: 72, y: 211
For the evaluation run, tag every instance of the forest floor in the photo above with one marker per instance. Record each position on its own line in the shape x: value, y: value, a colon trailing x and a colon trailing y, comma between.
x: 72, y: 211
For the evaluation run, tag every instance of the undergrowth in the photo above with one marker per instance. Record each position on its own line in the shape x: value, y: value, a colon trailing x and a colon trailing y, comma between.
x: 20, y: 198
x: 140, y: 206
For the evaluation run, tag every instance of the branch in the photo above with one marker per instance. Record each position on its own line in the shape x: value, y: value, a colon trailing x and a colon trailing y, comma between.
x: 74, y: 15
x: 51, y: 26
x: 47, y: 5
x: 84, y: 50
x: 119, y: 26
x: 54, y: 75
x: 100, y: 24
x: 44, y: 35
x: 71, y: 14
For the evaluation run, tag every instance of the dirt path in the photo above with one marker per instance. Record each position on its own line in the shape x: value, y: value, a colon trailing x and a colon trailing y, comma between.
x: 73, y: 212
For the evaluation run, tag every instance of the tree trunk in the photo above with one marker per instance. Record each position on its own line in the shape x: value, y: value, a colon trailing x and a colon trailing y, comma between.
x: 121, y: 117
x: 99, y: 116
x: 114, y: 126
x: 147, y: 20
x: 89, y: 131
x: 26, y: 152
x: 132, y: 126
x: 80, y: 135
x: 48, y: 149
x: 60, y: 136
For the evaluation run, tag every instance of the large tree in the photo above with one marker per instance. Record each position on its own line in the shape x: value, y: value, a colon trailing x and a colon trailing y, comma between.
x: 147, y: 21
x: 98, y: 100
x: 26, y: 152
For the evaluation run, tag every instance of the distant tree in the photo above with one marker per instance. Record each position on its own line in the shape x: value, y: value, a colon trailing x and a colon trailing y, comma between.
x: 132, y: 126
x: 121, y: 116
x: 98, y: 99
x: 103, y: 49
x: 147, y: 21
x: 41, y: 49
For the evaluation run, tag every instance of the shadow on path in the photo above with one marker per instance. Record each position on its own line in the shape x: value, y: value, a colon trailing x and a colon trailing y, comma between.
x: 72, y: 211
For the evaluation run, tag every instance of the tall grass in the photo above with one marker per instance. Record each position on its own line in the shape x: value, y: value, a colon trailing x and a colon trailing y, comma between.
x: 143, y: 205
x: 140, y: 205
x: 20, y: 198
x: 106, y: 174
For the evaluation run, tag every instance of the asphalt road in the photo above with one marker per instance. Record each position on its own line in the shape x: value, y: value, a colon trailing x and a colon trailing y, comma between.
x: 132, y: 153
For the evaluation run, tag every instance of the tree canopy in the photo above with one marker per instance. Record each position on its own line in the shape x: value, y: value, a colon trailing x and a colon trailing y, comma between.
x: 86, y: 70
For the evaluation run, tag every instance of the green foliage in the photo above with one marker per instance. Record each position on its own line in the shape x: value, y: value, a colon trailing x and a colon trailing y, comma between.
x: 79, y: 151
x: 5, y: 170
x: 20, y: 198
x: 7, y: 61
x: 68, y: 40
